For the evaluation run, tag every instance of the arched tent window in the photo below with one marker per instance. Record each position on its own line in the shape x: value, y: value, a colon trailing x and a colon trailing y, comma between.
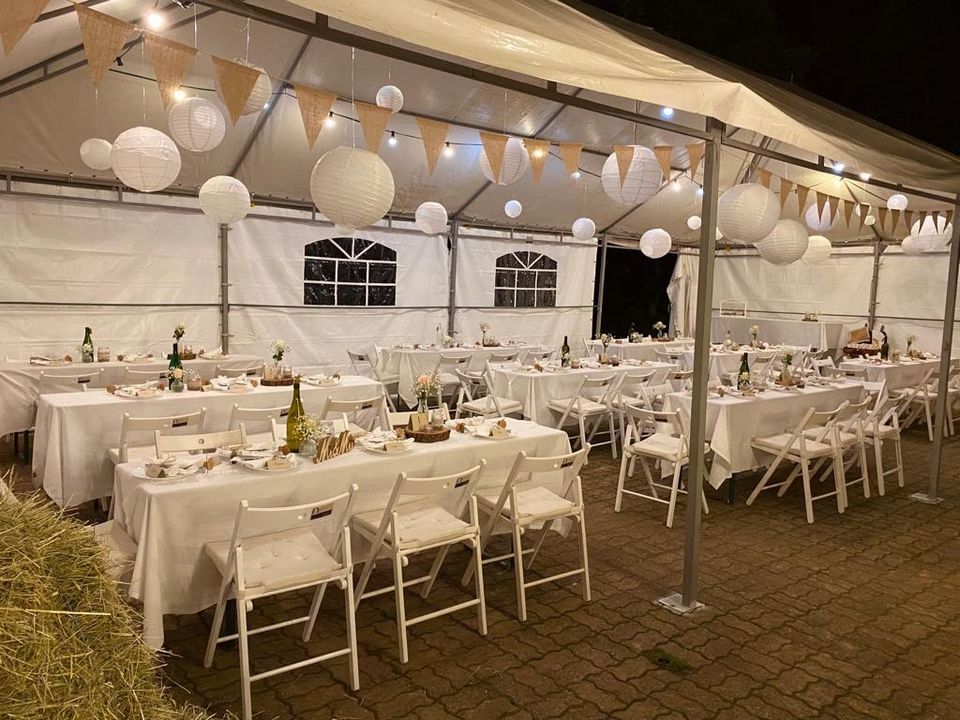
x: 348, y: 271
x: 526, y: 279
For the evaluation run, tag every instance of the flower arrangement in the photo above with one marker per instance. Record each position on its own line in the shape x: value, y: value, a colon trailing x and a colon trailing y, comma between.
x: 911, y: 339
x: 743, y: 380
x: 175, y: 379
x: 424, y: 387
x: 447, y: 341
x: 634, y: 336
x: 787, y: 359
x: 308, y: 426
x: 659, y: 327
x: 279, y: 348
x: 179, y: 330
x: 604, y: 339
x: 754, y: 334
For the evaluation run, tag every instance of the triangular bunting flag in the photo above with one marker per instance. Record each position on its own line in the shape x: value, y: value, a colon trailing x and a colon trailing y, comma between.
x: 236, y: 82
x: 570, y: 152
x: 923, y: 217
x: 16, y: 17
x: 847, y: 211
x: 170, y: 60
x: 948, y: 217
x: 895, y: 217
x: 434, y: 135
x: 821, y: 203
x: 695, y: 153
x: 664, y: 155
x: 538, y: 150
x: 908, y: 219
x: 802, y: 192
x: 764, y: 176
x: 493, y: 147
x: 315, y: 108
x: 882, y: 216
x: 864, y: 211
x: 834, y: 208
x: 624, y: 155
x: 785, y: 187
x: 373, y: 120
x: 103, y: 39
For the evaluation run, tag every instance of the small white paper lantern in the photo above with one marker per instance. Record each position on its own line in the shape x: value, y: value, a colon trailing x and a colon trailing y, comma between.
x: 934, y: 235
x: 818, y: 250
x: 869, y: 220
x: 516, y: 160
x: 747, y: 212
x: 224, y: 199
x: 513, y: 208
x: 145, y: 159
x: 785, y: 244
x: 196, y: 124
x: 655, y: 243
x: 584, y: 228
x: 352, y: 187
x: 897, y: 202
x: 95, y: 153
x: 389, y: 96
x: 694, y: 222
x: 911, y: 246
x: 642, y: 181
x: 431, y: 218
x: 820, y: 222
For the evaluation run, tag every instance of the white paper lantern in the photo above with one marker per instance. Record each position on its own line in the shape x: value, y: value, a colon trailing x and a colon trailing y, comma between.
x: 224, y: 199
x: 196, y: 124
x: 870, y: 220
x: 259, y: 96
x: 897, y: 202
x: 911, y: 246
x: 818, y: 250
x: 516, y: 160
x: 389, y: 96
x: 934, y: 235
x: 431, y: 218
x: 513, y: 208
x: 145, y: 159
x: 655, y: 243
x: 747, y: 212
x: 584, y: 228
x: 820, y: 222
x: 642, y: 181
x: 352, y: 187
x: 694, y: 222
x: 786, y: 243
x: 95, y: 153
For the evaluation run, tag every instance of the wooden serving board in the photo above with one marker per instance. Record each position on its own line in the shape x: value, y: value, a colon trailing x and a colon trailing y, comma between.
x: 276, y: 383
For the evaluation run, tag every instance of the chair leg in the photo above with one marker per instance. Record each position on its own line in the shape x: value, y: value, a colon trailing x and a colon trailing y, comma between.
x: 624, y: 460
x: 807, y: 495
x: 244, y: 658
x: 315, y: 609
x: 434, y: 571
x: 878, y: 461
x: 863, y: 469
x: 215, y: 627
x: 766, y: 477
x: 582, y: 526
x: 929, y: 416
x: 518, y: 573
x: 613, y: 436
x: 364, y: 577
x: 840, y: 480
x: 352, y: 634
x: 896, y: 445
x: 677, y: 469
x: 401, y: 610
x: 544, y: 531
x: 478, y: 584
x: 583, y: 436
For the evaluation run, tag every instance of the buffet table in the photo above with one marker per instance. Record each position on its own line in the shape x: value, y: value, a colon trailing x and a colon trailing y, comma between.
x: 818, y: 335
x: 897, y: 375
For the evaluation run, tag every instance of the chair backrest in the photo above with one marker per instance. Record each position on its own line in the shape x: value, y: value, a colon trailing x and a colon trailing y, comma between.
x: 450, y: 362
x: 820, y: 364
x: 634, y: 384
x: 274, y: 417
x: 155, y: 424
x: 644, y: 421
x: 540, y: 354
x: 855, y: 373
x: 361, y: 362
x: 224, y: 371
x: 135, y: 377
x: 54, y: 382
x: 680, y: 379
x: 503, y: 355
x: 350, y: 410
x: 599, y: 389
x: 398, y: 419
x: 826, y: 420
x: 475, y: 387
x: 203, y: 442
x: 854, y: 415
x: 528, y: 469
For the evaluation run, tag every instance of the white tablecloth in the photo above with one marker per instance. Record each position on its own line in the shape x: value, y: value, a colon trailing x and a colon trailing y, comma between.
x: 732, y: 422
x: 903, y: 374
x: 76, y: 430
x: 535, y: 390
x: 638, y: 351
x: 20, y: 382
x: 779, y: 331
x: 171, y: 522
x: 723, y: 361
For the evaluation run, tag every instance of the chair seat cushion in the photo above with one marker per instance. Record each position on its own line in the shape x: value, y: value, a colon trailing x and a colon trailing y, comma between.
x: 661, y: 445
x: 885, y: 431
x: 138, y: 452
x: 418, y: 525
x: 846, y: 438
x: 587, y: 407
x: 536, y: 501
x: 485, y: 406
x: 776, y: 443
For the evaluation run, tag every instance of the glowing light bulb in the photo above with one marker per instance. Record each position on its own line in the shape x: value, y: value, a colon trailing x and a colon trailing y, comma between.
x: 666, y: 112
x: 266, y: 105
x: 447, y: 150
x: 575, y: 174
x: 330, y: 121
x: 699, y: 192
x: 538, y: 153
x: 864, y: 176
x: 154, y: 20
x: 675, y: 186
x: 392, y: 140
x: 179, y: 94
x: 838, y: 167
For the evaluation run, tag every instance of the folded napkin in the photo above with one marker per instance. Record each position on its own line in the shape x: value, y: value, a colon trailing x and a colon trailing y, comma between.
x: 168, y: 467
x: 218, y: 352
x: 224, y: 383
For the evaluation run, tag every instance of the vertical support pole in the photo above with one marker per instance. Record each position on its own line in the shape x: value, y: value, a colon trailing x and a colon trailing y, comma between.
x: 878, y: 249
x: 686, y: 601
x: 598, y: 318
x: 946, y: 345
x: 454, y: 237
x: 224, y: 289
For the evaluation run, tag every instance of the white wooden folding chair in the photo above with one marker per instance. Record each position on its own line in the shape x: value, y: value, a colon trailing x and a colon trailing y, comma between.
x: 796, y: 447
x: 539, y: 354
x: 883, y: 425
x: 850, y: 438
x: 368, y: 365
x: 124, y: 452
x: 276, y: 550
x: 762, y: 366
x: 251, y: 417
x: 592, y: 402
x: 503, y: 355
x: 202, y: 442
x: 370, y: 410
x: 924, y: 402
x: 61, y: 382
x: 398, y: 419
x: 523, y: 503
x: 423, y: 514
x: 136, y: 377
x: 232, y: 372
x: 445, y: 371
x: 666, y: 442
x: 633, y: 391
x: 475, y: 398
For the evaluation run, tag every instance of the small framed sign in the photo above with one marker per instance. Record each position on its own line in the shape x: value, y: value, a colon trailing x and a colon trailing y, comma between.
x: 419, y: 421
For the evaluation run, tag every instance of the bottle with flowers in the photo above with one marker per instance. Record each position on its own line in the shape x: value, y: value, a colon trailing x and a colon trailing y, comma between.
x: 425, y: 386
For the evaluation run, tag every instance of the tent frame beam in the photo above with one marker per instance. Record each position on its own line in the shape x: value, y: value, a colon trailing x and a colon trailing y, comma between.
x: 598, y: 322
x: 878, y: 249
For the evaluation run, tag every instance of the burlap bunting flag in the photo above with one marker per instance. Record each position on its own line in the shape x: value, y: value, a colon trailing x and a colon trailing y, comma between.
x: 494, y: 145
x: 948, y: 217
x: 785, y: 187
x: 923, y: 216
x: 570, y: 152
x: 664, y: 155
x: 103, y: 39
x: 624, y: 155
x: 538, y: 150
x: 882, y: 216
x: 834, y: 208
x: 695, y: 153
x: 802, y: 192
x: 236, y: 82
x: 315, y: 106
x: 434, y: 135
x: 373, y: 120
x: 908, y: 219
x: 170, y: 61
x: 864, y: 211
x: 16, y: 17
x: 895, y: 219
x: 764, y: 175
x: 821, y: 203
x: 847, y: 211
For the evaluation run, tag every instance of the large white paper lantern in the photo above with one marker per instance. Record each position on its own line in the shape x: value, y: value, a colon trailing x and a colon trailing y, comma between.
x: 869, y: 220
x: 642, y: 181
x: 95, y: 153
x: 934, y: 234
x: 911, y: 246
x: 224, y: 199
x: 512, y: 208
x: 196, y: 124
x: 431, y: 218
x: 389, y: 96
x: 584, y: 228
x: 259, y: 96
x: 145, y: 159
x: 516, y: 160
x: 820, y: 221
x: 352, y: 187
x: 818, y: 250
x: 655, y: 243
x: 747, y: 212
x: 786, y: 243
x: 897, y: 202
x: 694, y: 222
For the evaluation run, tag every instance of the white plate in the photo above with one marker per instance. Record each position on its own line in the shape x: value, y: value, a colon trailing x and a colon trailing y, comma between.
x: 140, y: 473
x: 158, y: 394
x: 294, y: 460
x: 383, y: 451
x: 323, y: 383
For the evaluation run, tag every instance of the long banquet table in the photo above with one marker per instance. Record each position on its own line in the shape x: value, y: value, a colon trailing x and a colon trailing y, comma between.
x: 171, y: 520
x: 897, y: 375
x: 645, y: 350
x: 818, y: 334
x: 76, y: 430
x: 20, y: 381
x: 728, y: 361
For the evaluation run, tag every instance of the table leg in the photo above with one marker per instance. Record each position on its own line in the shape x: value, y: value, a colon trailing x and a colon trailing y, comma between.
x: 731, y: 489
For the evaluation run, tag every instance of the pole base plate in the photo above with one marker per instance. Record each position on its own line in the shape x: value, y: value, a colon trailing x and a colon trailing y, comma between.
x: 674, y: 603
x: 926, y: 499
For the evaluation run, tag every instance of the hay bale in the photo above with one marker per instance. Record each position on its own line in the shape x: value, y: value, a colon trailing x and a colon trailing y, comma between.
x: 69, y: 644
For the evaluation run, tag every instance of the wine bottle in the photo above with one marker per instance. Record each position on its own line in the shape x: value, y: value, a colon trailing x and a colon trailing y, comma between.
x: 885, y: 346
x: 86, y: 349
x: 294, y: 437
x: 565, y: 353
x: 175, y: 363
x: 743, y: 375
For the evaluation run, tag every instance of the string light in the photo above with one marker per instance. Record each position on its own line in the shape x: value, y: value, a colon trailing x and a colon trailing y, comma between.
x: 865, y: 176
x: 392, y: 140
x: 538, y: 153
x: 675, y: 186
x: 448, y: 149
x: 179, y: 94
x: 331, y: 120
x: 699, y: 192
x: 666, y: 112
x: 575, y: 174
x: 838, y: 167
x: 154, y: 20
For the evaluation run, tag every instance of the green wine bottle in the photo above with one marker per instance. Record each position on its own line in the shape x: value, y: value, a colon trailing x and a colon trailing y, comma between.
x: 294, y: 437
x: 565, y: 353
x: 743, y: 375
x: 175, y: 364
x: 86, y: 349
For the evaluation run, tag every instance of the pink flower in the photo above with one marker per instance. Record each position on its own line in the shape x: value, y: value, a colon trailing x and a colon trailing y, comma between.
x: 423, y: 380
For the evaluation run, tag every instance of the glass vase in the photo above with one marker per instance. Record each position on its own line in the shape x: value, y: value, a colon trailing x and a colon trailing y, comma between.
x: 176, y: 386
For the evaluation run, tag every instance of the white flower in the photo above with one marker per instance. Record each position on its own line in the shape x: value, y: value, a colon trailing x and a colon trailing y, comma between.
x: 754, y: 329
x: 484, y: 327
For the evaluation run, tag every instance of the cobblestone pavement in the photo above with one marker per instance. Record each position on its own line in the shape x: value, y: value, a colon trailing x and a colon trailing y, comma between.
x: 856, y: 616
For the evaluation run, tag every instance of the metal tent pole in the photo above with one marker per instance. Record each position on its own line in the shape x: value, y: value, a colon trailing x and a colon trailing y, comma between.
x: 452, y: 298
x: 603, y: 274
x: 224, y: 290
x: 946, y: 345
x: 686, y: 601
x: 878, y: 249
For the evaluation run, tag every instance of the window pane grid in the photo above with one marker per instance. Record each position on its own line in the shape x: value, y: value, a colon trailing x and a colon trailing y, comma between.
x: 525, y: 279
x: 336, y: 275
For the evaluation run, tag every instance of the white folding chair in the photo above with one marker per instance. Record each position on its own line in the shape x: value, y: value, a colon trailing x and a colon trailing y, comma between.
x: 523, y: 503
x: 593, y: 401
x: 232, y: 372
x: 398, y: 419
x: 137, y: 377
x: 762, y: 366
x: 423, y: 514
x: 796, y: 447
x: 202, y: 442
x: 539, y: 354
x: 249, y: 416
x: 924, y: 402
x: 124, y: 452
x: 633, y: 391
x: 59, y: 382
x: 671, y: 357
x: 276, y: 550
x: 848, y: 436
x: 445, y: 372
x: 475, y: 398
x: 665, y: 443
x: 820, y: 364
x: 503, y: 355
x: 882, y: 425
x: 367, y: 365
x: 372, y: 410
